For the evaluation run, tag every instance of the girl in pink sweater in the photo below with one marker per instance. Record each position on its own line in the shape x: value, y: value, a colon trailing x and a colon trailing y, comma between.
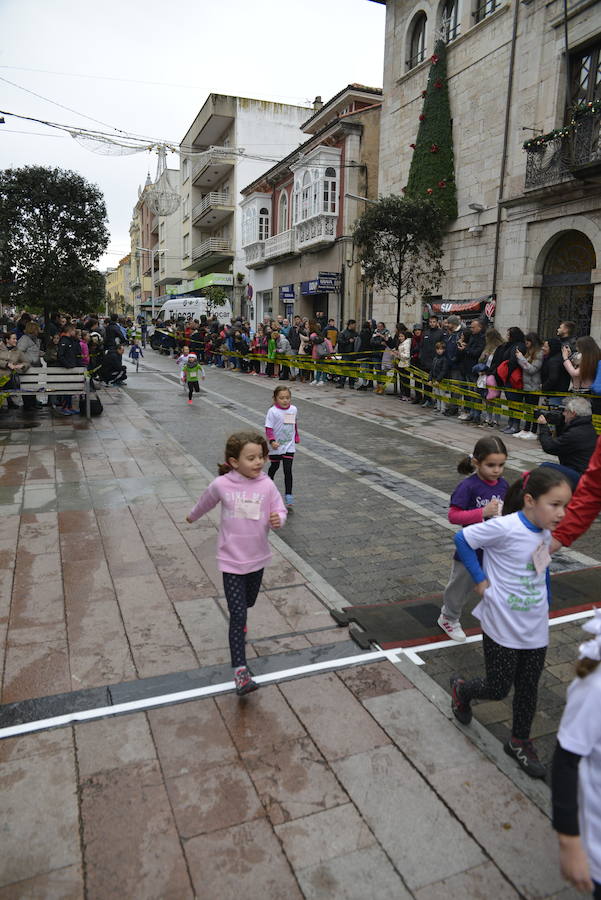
x: 475, y: 499
x: 250, y: 505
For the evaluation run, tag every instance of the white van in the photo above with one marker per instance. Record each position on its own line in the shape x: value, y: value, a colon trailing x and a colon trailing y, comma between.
x: 193, y: 308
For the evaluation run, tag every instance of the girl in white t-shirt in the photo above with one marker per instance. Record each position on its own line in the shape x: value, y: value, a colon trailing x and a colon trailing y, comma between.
x: 513, y: 582
x: 576, y: 773
x: 281, y: 430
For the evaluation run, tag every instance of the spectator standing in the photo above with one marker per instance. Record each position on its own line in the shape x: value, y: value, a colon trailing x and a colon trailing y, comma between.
x: 583, y: 368
x: 516, y: 340
x: 432, y: 334
x: 565, y: 333
x: 349, y: 343
x: 470, y: 350
x: 489, y: 360
x: 454, y: 337
x: 555, y: 378
x: 417, y: 336
x: 531, y: 364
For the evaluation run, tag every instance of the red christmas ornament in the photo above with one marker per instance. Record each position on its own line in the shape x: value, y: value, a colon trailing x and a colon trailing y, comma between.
x: 429, y: 191
x: 412, y: 146
x: 438, y: 84
x: 434, y: 148
x: 434, y: 59
x: 422, y: 118
x: 424, y: 93
x: 442, y: 184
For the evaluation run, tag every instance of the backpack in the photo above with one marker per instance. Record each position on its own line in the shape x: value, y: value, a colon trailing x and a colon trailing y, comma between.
x: 322, y: 350
x: 95, y: 406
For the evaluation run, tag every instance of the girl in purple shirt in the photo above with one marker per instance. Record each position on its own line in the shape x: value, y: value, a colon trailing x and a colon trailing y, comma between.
x: 250, y: 505
x: 475, y: 499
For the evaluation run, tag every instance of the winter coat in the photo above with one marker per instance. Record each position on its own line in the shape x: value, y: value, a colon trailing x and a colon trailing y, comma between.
x: 531, y: 371
x: 440, y: 368
x: 574, y: 446
x: 416, y: 346
x: 452, y: 353
x: 69, y: 352
x: 30, y: 347
x: 430, y: 337
x: 472, y: 353
x: 346, y: 341
x: 555, y: 379
x: 405, y: 353
x: 14, y: 356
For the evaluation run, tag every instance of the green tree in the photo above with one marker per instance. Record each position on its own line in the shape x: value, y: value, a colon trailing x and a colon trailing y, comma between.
x: 432, y: 171
x: 400, y: 241
x: 216, y: 296
x: 52, y: 230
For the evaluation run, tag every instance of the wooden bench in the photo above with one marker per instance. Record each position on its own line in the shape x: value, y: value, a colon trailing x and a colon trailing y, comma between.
x: 47, y: 380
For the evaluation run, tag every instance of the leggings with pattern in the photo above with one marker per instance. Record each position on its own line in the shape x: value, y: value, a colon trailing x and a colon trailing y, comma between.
x: 506, y: 667
x: 241, y: 593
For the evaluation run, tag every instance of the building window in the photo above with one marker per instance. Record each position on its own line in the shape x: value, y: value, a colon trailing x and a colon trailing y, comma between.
x: 283, y: 212
x: 186, y: 207
x: 186, y: 245
x: 484, y: 8
x: 185, y: 168
x: 263, y: 223
x: 450, y: 20
x: 330, y: 190
x: 417, y: 46
x: 249, y: 226
x: 585, y: 75
x: 306, y: 197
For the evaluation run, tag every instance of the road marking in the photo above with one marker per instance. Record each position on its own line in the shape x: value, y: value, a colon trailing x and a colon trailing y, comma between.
x: 101, y: 712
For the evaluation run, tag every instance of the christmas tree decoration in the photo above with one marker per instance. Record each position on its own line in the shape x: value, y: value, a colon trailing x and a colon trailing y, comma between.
x: 432, y: 170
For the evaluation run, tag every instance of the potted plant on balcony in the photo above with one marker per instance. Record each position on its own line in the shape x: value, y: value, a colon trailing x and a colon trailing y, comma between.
x: 240, y: 276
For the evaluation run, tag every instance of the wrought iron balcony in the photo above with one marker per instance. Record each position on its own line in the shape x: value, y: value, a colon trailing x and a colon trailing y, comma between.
x: 280, y: 244
x: 575, y: 155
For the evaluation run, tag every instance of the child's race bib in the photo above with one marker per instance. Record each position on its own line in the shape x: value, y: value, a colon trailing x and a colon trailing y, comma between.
x: 289, y: 418
x: 541, y: 558
x: 247, y: 508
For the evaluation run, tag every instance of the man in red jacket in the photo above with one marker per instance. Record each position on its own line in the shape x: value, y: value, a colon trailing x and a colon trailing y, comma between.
x: 584, y: 506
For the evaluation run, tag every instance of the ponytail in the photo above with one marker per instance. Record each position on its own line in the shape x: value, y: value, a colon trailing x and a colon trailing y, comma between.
x: 536, y: 483
x: 465, y: 466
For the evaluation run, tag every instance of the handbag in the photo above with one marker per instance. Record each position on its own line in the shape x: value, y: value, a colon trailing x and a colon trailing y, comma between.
x: 492, y: 392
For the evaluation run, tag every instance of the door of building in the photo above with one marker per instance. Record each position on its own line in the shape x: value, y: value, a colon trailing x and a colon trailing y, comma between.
x: 566, y: 291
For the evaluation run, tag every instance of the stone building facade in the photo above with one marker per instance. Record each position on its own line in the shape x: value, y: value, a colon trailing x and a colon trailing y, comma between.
x: 529, y: 223
x: 297, y: 219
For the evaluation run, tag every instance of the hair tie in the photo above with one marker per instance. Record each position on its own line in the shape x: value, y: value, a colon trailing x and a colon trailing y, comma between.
x: 592, y: 649
x: 525, y: 477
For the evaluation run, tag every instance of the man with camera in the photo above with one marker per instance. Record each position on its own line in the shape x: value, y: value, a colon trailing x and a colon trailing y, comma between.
x: 575, y: 441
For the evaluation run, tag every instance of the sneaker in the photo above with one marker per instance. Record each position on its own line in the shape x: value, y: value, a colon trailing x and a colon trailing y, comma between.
x: 289, y: 499
x: 529, y: 436
x: 521, y: 434
x: 510, y: 429
x: 526, y: 757
x: 190, y: 402
x: 461, y: 709
x: 340, y: 386
x: 451, y: 629
x: 244, y: 682
x: 463, y: 417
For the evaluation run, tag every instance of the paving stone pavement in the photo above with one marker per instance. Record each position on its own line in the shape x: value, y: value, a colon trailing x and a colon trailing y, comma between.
x: 348, y: 783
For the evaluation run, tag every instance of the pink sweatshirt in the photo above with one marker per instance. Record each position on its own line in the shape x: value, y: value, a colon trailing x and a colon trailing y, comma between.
x: 246, y: 504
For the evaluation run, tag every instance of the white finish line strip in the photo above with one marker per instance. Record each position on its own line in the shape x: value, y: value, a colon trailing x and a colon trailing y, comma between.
x: 100, y: 712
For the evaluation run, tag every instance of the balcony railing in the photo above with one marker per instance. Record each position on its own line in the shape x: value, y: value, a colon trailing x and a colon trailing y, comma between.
x: 255, y: 254
x: 214, y: 198
x: 577, y: 154
x: 219, y: 159
x: 280, y: 244
x: 316, y: 231
x: 211, y: 245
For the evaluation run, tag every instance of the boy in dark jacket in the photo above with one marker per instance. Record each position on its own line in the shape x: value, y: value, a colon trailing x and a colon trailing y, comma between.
x: 439, y: 370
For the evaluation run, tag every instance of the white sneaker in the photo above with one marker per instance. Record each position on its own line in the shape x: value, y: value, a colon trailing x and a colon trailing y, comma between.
x: 451, y: 629
x: 462, y: 417
x: 520, y: 434
x: 529, y: 436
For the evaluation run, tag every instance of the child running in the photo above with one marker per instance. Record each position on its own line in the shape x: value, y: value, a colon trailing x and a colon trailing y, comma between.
x: 475, y: 499
x: 250, y: 505
x: 576, y: 773
x: 181, y: 360
x: 513, y: 582
x: 191, y: 372
x: 282, y: 435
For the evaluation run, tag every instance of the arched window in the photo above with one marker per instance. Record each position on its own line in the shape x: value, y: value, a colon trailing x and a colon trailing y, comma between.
x: 566, y: 292
x: 283, y: 212
x: 306, y: 197
x: 330, y: 191
x: 263, y: 223
x: 450, y: 20
x: 417, y: 46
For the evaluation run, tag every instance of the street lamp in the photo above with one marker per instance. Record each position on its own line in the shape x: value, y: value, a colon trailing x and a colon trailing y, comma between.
x: 357, y: 197
x: 152, y: 252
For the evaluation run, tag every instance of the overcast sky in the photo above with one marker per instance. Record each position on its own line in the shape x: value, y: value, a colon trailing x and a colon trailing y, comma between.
x: 148, y: 68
